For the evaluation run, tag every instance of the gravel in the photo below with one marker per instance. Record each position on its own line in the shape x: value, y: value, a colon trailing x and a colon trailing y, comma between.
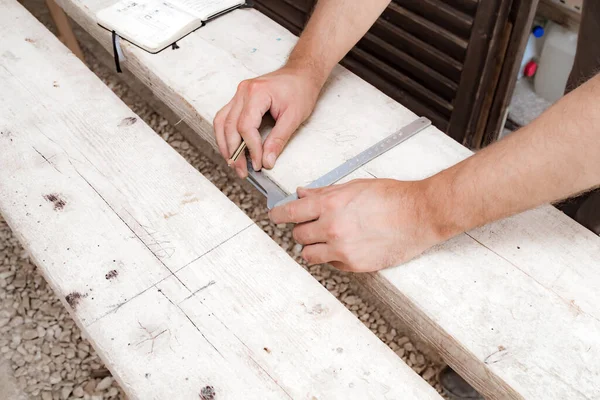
x: 49, y: 357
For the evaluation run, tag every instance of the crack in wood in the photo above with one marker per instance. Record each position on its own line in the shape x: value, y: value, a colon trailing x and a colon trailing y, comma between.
x: 195, y: 326
x: 150, y: 337
x: 122, y: 220
x: 47, y: 160
x: 213, y: 248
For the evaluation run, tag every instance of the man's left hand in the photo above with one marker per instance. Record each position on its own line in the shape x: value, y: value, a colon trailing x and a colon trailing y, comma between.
x: 363, y: 225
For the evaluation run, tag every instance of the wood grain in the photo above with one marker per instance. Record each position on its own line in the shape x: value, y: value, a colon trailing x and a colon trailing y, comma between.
x: 526, y: 12
x: 172, y: 305
x: 513, y: 306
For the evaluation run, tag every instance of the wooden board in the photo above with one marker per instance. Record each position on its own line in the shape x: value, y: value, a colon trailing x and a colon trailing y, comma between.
x: 513, y: 306
x: 178, y: 291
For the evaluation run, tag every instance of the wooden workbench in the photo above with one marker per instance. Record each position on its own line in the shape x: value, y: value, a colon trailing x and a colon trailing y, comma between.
x: 512, y: 306
x: 180, y: 293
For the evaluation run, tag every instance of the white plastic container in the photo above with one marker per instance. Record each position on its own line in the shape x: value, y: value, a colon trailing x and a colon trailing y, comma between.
x: 556, y: 62
x: 534, y: 47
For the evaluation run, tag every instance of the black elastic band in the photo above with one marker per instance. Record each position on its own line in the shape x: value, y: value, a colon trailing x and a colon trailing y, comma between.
x: 247, y: 4
x: 115, y: 52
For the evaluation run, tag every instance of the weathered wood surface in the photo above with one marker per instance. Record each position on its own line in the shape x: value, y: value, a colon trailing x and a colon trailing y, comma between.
x: 175, y: 287
x: 513, y: 306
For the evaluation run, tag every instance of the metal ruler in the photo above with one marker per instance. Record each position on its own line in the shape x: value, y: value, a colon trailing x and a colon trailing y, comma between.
x: 277, y: 196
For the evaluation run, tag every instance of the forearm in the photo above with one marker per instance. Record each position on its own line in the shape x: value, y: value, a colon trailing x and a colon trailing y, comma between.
x: 333, y: 29
x: 553, y: 158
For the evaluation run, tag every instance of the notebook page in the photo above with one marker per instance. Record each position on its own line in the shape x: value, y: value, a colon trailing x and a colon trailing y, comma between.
x: 204, y: 9
x: 151, y: 24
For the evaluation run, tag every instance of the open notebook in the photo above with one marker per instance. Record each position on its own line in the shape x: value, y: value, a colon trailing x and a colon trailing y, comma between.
x: 155, y: 24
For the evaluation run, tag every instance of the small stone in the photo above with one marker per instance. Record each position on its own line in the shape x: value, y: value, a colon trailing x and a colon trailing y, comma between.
x: 112, y: 392
x: 36, y: 304
x: 69, y: 353
x: 30, y: 334
x: 104, y: 384
x: 185, y: 145
x: 402, y: 341
x: 351, y: 300
x: 409, y: 347
x: 428, y: 374
x: 49, y: 335
x: 90, y: 386
x: 83, y: 347
x: 297, y: 249
x: 418, y: 368
x: 19, y: 282
x: 78, y: 392
x: 41, y: 331
x: 55, y: 378
x: 65, y: 392
x: 46, y: 396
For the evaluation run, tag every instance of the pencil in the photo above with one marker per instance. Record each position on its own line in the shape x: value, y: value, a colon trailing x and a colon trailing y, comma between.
x: 237, y: 153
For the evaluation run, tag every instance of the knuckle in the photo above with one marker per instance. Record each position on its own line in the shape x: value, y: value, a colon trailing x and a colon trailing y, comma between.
x: 230, y: 126
x: 329, y: 202
x: 333, y: 232
x: 243, y: 85
x: 244, y: 124
x: 308, y: 256
x: 253, y: 85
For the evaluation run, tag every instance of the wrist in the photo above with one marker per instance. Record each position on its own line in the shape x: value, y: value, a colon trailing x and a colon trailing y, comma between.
x: 310, y: 69
x: 444, y: 207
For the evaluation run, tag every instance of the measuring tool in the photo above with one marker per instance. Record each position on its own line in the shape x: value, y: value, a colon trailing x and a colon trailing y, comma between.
x: 277, y: 196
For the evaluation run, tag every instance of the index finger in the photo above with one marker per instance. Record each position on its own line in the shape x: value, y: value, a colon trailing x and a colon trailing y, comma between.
x: 218, y: 124
x: 298, y: 211
x: 255, y: 107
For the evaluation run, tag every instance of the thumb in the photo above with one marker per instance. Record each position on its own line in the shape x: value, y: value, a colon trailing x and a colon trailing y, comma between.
x: 284, y: 127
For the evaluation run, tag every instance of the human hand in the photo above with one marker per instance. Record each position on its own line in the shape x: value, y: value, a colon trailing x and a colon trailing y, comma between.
x: 289, y: 94
x: 364, y: 225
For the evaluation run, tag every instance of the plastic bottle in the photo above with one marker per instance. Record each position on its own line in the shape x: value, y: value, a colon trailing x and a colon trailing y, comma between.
x: 533, y: 49
x: 555, y: 62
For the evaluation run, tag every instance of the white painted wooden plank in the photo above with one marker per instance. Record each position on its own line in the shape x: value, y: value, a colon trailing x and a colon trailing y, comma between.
x: 109, y: 213
x: 552, y: 262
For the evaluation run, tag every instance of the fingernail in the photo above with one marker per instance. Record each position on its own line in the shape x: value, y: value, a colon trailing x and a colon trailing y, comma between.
x: 271, y: 160
x: 254, y: 165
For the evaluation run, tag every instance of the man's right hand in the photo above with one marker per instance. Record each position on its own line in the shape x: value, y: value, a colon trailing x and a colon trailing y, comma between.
x: 289, y: 94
